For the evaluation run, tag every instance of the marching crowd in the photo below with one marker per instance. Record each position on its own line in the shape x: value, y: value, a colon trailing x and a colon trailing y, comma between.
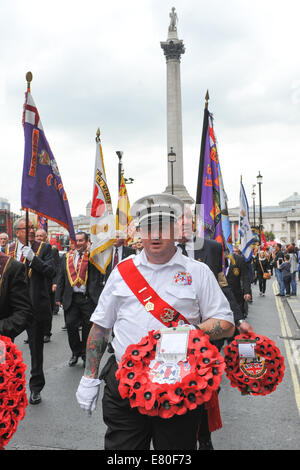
x: 47, y: 280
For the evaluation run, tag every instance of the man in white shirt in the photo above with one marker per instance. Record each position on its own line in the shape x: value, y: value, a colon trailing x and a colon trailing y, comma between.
x: 200, y: 301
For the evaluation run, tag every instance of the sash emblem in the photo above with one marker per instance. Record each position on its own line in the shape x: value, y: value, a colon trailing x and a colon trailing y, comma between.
x: 168, y: 315
x: 236, y: 271
x: 149, y: 306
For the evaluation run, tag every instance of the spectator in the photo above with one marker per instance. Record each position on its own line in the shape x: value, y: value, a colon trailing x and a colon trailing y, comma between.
x: 261, y: 267
x: 285, y: 269
x: 278, y: 260
x: 294, y: 268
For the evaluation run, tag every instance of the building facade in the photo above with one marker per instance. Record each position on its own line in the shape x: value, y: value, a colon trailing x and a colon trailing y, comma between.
x: 81, y: 223
x: 283, y: 220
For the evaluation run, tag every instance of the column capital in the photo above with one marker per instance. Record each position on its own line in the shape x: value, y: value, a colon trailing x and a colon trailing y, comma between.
x: 173, y: 49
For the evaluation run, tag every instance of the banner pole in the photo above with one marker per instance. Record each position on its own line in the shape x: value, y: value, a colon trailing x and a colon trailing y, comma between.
x: 29, y: 80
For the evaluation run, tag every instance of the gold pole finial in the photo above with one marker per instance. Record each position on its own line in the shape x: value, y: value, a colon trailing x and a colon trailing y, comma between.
x: 29, y: 79
x: 206, y: 99
x: 98, y: 135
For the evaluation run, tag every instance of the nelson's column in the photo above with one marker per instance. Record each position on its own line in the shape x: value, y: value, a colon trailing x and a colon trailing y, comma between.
x: 173, y: 48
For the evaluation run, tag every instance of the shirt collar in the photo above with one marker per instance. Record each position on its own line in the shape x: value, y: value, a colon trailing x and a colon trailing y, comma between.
x: 177, y: 259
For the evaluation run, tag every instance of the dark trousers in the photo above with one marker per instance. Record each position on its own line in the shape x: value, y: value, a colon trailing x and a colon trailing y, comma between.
x: 127, y: 429
x: 77, y: 315
x: 262, y: 284
x: 54, y: 311
x: 36, y: 345
x: 287, y: 285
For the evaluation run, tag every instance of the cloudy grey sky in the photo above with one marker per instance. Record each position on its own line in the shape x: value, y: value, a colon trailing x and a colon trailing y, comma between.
x: 99, y: 64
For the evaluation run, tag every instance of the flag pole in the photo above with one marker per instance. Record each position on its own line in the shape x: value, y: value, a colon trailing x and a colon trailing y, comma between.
x: 29, y: 80
x: 202, y: 149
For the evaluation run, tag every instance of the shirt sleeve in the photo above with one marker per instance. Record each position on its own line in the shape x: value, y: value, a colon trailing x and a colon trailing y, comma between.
x: 212, y: 301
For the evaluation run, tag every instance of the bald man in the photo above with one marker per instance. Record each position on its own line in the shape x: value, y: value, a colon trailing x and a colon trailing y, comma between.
x: 41, y: 235
x: 3, y: 241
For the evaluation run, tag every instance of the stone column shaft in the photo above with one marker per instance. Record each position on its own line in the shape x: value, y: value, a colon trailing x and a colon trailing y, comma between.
x: 173, y: 49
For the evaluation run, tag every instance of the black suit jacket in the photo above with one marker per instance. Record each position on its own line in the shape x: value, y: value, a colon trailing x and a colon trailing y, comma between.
x: 57, y: 264
x: 127, y: 251
x: 238, y: 278
x: 211, y: 254
x: 41, y: 273
x: 15, y: 306
x: 64, y: 290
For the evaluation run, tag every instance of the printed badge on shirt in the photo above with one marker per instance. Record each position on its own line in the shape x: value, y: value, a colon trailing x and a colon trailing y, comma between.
x: 183, y: 279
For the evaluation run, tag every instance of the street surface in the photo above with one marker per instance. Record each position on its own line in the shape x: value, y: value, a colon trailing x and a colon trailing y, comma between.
x: 249, y: 422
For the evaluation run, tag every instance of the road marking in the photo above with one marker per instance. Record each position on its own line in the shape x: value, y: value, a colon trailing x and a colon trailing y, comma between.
x: 289, y: 346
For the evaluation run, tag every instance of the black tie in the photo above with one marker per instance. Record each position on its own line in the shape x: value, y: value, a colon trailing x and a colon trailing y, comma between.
x: 182, y: 246
x: 116, y: 258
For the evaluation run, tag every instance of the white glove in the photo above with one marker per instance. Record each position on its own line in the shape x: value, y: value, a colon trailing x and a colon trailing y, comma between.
x: 87, y: 394
x: 28, y: 253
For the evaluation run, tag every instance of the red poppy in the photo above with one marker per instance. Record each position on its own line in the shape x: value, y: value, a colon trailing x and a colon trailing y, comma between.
x: 136, y: 353
x: 172, y: 393
x: 193, y: 397
x: 153, y: 412
x: 135, y: 383
x: 181, y: 408
x: 194, y: 381
x: 144, y: 397
x: 166, y: 410
x: 124, y: 390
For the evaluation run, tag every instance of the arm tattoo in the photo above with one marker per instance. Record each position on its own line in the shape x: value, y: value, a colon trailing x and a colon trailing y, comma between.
x: 95, y: 348
x: 216, y: 329
x: 216, y: 332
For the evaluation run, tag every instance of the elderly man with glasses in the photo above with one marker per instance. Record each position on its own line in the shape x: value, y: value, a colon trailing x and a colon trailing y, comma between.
x: 39, y: 265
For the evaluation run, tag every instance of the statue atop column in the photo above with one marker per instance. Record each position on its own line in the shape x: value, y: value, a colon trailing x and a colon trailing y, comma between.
x: 173, y: 49
x: 174, y: 20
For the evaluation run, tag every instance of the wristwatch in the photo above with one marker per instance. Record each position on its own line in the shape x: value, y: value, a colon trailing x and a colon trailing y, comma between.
x: 239, y: 322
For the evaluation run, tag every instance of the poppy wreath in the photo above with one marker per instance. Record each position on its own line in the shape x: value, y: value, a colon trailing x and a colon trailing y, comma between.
x: 166, y: 400
x: 13, y: 398
x: 273, y: 369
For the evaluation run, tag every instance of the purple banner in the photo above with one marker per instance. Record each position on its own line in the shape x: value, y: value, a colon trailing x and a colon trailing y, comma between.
x: 42, y: 188
x: 210, y: 194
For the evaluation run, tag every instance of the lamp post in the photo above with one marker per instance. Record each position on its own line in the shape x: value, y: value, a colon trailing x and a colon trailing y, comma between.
x: 259, y: 180
x: 120, y: 155
x: 128, y: 180
x: 253, y: 197
x: 172, y: 160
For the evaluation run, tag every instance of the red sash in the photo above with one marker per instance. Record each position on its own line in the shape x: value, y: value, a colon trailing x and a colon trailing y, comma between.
x: 160, y: 309
x: 77, y: 276
x: 11, y: 250
x: 167, y: 315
